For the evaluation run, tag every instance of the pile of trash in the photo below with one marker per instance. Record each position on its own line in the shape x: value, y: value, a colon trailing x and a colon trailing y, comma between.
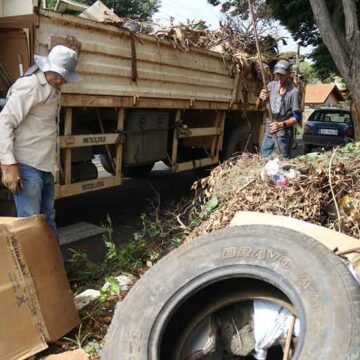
x: 322, y: 189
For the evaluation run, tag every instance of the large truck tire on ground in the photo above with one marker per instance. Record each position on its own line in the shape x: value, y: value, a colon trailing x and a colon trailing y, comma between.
x: 165, y: 315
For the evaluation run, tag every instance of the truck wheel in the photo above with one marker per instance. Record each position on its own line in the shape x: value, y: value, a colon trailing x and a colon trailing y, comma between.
x: 231, y: 266
x: 307, y: 148
x: 138, y: 171
x: 235, y: 142
x: 129, y: 171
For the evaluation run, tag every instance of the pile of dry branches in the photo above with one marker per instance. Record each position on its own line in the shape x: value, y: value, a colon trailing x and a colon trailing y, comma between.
x: 233, y: 40
x: 327, y: 194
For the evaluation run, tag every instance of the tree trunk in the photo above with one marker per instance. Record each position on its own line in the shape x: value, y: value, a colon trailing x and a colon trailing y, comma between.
x: 355, y: 109
x: 343, y: 45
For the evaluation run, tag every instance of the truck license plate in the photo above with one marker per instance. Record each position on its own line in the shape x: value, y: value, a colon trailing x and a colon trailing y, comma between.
x: 328, y: 131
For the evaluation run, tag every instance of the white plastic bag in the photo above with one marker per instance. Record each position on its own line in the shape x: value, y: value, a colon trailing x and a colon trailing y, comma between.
x: 271, y: 323
x: 275, y: 172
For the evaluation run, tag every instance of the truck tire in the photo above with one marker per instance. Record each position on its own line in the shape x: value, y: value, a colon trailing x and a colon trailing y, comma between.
x: 307, y: 148
x: 139, y: 172
x: 179, y: 287
x: 235, y: 142
x: 128, y: 171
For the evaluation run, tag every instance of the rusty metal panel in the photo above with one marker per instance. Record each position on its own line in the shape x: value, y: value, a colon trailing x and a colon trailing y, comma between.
x: 107, y: 63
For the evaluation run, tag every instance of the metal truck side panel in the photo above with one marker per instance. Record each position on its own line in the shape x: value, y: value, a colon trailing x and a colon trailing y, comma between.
x: 107, y: 63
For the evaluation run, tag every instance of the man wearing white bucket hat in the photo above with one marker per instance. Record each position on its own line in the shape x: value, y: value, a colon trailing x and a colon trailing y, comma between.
x: 28, y: 132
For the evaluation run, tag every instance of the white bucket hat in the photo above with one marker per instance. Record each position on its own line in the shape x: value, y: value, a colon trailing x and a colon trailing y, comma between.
x: 61, y: 60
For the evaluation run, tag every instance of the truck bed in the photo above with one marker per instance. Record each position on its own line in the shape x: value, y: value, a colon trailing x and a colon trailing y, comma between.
x: 110, y: 56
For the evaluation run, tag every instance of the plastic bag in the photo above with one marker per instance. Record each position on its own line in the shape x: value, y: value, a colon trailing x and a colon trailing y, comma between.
x: 275, y: 172
x: 271, y: 324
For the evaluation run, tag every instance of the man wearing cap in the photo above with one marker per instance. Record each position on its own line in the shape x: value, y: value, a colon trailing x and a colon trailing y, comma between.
x: 285, y: 107
x: 28, y: 132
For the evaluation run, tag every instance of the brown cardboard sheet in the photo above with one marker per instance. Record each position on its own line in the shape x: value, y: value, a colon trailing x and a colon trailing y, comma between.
x: 20, y: 333
x: 32, y: 273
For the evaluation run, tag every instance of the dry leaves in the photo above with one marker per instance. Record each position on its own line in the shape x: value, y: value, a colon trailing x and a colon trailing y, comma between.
x: 238, y: 187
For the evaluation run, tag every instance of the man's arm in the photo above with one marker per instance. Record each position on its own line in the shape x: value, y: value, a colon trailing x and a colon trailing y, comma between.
x: 263, y: 96
x: 292, y: 121
x: 22, y: 98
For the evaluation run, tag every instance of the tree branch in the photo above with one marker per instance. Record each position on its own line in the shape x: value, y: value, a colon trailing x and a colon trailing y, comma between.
x: 351, y: 21
x: 339, y: 50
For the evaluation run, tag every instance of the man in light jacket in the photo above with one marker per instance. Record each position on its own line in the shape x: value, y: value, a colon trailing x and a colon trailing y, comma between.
x: 28, y: 132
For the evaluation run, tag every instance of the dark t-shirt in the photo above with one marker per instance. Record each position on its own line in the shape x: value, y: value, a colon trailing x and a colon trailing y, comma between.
x: 282, y: 106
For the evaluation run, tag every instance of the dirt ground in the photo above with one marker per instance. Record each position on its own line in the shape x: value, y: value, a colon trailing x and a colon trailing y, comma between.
x: 124, y: 205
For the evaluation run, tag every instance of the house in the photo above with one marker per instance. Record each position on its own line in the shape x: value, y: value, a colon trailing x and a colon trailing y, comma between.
x: 320, y: 95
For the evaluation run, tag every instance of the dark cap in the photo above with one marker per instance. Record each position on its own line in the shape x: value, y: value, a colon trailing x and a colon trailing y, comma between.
x: 282, y: 67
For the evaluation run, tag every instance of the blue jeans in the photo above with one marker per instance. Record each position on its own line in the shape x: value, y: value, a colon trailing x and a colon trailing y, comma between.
x: 37, y: 195
x: 284, y: 140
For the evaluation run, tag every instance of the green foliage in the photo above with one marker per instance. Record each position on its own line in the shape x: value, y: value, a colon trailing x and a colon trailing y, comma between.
x: 309, y: 72
x: 241, y: 8
x: 134, y: 9
x: 92, y: 347
x: 111, y: 287
x: 323, y: 63
x: 79, y: 340
x: 353, y: 148
x: 298, y: 18
x: 148, y: 244
x: 212, y: 204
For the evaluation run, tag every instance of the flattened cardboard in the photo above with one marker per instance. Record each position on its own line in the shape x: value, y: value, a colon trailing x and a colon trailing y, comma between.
x: 20, y: 330
x: 330, y: 238
x: 70, y: 355
x: 43, y: 257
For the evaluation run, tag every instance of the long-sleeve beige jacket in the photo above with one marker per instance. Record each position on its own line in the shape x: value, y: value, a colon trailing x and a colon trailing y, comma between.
x: 28, y: 126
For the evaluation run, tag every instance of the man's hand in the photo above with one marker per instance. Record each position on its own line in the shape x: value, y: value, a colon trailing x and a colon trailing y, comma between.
x: 11, y: 177
x: 264, y: 95
x: 275, y: 126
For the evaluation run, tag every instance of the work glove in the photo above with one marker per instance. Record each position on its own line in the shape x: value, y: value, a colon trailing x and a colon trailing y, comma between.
x: 11, y: 177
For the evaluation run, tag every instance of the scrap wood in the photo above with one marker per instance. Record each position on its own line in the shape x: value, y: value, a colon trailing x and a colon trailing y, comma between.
x: 287, y: 350
x: 236, y: 44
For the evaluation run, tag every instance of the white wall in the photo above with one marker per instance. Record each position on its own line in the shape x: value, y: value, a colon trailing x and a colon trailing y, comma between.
x: 16, y: 7
x: 331, y: 100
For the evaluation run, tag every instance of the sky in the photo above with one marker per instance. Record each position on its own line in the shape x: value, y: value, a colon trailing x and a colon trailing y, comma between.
x: 182, y: 10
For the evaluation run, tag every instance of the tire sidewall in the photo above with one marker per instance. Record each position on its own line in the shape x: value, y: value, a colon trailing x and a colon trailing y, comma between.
x: 235, y: 136
x: 293, y: 262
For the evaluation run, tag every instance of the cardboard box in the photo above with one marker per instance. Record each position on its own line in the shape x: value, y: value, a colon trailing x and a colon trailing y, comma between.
x: 37, y: 304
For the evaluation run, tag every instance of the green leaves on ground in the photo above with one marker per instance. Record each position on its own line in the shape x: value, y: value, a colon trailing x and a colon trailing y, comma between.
x: 111, y: 287
x: 148, y: 245
x: 353, y: 148
x: 212, y: 204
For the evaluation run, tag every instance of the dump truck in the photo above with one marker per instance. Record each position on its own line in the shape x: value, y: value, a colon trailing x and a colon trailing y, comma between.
x: 142, y: 99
